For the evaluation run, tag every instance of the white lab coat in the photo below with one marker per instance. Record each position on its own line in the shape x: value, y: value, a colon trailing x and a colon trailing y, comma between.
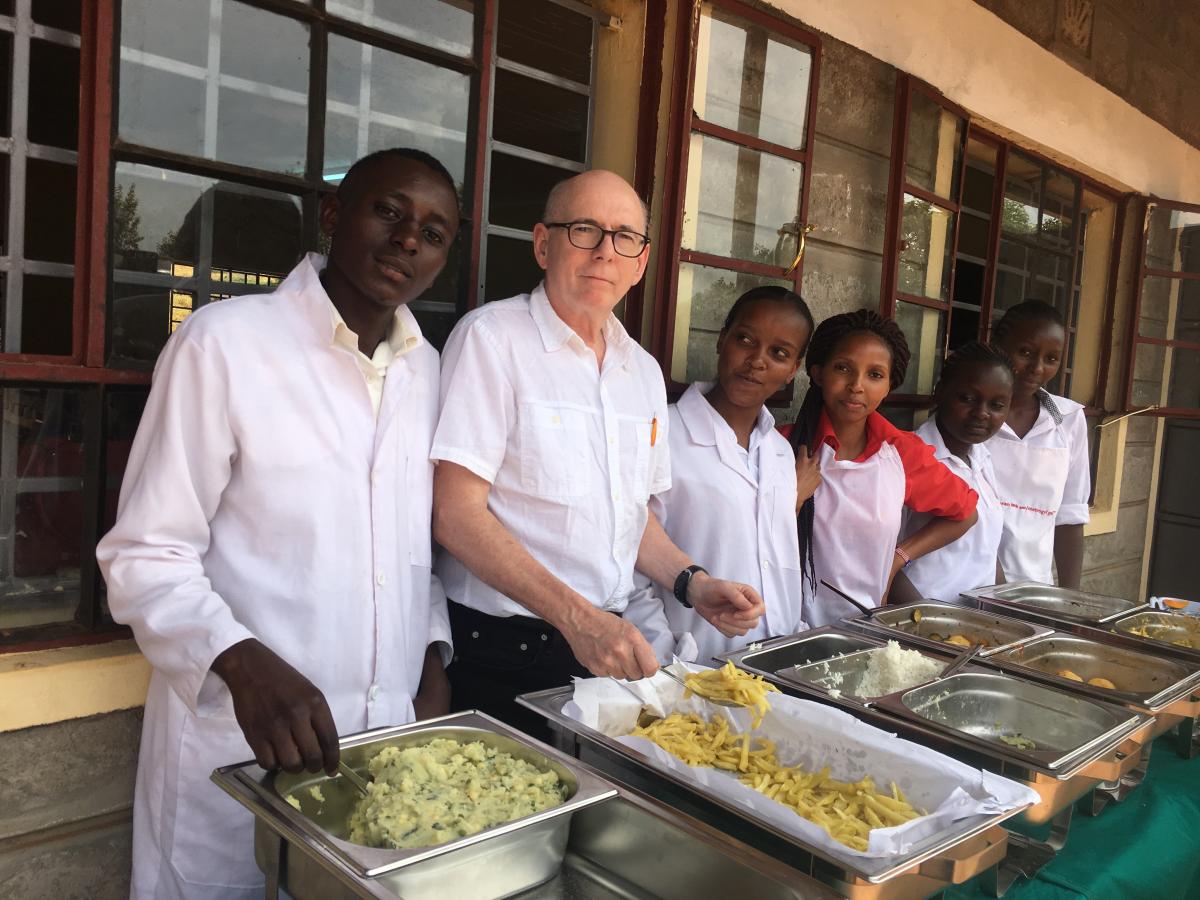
x: 263, y: 499
x: 736, y: 526
x: 970, y: 561
x: 1043, y: 481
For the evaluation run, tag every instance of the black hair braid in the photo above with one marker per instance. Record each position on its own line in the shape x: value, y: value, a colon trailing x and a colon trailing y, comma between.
x: 775, y: 293
x: 969, y: 354
x: 1026, y: 311
x: 825, y: 341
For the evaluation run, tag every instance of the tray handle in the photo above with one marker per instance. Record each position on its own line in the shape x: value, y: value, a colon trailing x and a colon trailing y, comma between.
x: 1123, y: 759
x: 968, y: 859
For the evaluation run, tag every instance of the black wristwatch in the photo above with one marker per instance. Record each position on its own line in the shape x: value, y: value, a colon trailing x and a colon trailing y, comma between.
x: 682, y: 580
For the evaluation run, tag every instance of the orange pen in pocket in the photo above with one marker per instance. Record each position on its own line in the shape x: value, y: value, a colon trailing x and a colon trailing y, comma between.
x: 653, y: 431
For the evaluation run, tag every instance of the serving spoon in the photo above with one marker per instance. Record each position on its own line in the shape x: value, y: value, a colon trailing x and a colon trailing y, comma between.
x: 353, y: 777
x: 867, y: 611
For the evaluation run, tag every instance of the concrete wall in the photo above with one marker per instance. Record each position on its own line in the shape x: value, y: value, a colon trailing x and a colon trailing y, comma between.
x: 1144, y: 51
x: 66, y: 795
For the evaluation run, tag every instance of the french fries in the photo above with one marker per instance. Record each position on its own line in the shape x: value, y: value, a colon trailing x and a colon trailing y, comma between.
x: 847, y: 810
x: 731, y: 683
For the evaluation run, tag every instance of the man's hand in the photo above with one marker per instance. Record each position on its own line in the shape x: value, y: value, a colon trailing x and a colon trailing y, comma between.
x: 730, y: 607
x: 606, y: 644
x: 433, y: 696
x: 283, y: 715
x: 808, y: 475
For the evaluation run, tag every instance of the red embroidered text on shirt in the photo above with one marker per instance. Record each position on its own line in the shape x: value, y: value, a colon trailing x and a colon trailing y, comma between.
x: 1041, y: 512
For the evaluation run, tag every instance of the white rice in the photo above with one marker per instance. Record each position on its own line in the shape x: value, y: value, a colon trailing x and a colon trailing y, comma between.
x: 896, y: 669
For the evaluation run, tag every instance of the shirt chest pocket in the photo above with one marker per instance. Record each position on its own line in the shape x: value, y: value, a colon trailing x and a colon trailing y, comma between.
x: 637, y: 456
x: 556, y: 461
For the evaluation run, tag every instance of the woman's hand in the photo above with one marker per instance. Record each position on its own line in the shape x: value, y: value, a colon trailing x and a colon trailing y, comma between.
x: 808, y: 475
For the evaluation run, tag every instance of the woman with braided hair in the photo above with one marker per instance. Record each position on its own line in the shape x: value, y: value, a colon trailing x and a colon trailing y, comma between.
x: 870, y: 470
x: 972, y: 397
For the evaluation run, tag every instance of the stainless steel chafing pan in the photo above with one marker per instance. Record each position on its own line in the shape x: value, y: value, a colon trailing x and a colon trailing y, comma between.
x: 1169, y: 629
x: 929, y: 624
x: 1046, y: 602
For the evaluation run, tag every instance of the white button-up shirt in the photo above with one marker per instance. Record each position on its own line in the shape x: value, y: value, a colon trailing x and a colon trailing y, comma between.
x: 572, y: 451
x: 400, y: 339
x: 264, y: 499
x: 1043, y: 481
x: 970, y: 561
x: 736, y: 519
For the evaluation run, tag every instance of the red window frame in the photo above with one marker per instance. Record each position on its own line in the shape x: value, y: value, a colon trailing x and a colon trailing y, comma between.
x: 1134, y: 339
x: 683, y: 122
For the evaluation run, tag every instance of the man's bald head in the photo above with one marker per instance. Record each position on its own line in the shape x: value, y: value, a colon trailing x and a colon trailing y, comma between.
x: 563, y: 196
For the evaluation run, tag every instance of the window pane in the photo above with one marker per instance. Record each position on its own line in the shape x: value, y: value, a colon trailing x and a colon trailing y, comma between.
x: 1187, y: 319
x: 445, y: 24
x: 517, y: 190
x: 180, y: 241
x: 1173, y: 240
x: 925, y: 330
x: 704, y: 296
x: 926, y: 239
x: 935, y: 142
x: 54, y: 94
x: 3, y: 204
x: 379, y: 99
x: 1159, y: 297
x: 1025, y: 273
x: 1185, y: 378
x: 546, y: 36
x: 46, y: 307
x: 42, y: 457
x: 257, y: 116
x: 49, y: 211
x: 1149, y: 367
x: 6, y: 83
x: 751, y: 80
x: 63, y: 14
x: 540, y: 116
x: 740, y: 202
x: 122, y: 412
x: 511, y: 268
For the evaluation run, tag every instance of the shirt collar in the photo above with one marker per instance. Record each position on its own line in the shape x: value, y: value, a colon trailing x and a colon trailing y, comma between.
x: 932, y: 435
x: 879, y: 432
x: 704, y: 423
x: 556, y: 333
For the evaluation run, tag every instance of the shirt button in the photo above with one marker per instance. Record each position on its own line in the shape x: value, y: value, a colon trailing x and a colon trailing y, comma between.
x: 524, y: 646
x: 612, y: 441
x: 380, y: 580
x: 766, y: 564
x: 373, y: 693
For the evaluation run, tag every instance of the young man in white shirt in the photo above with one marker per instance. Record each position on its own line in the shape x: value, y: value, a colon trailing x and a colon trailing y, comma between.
x: 551, y: 440
x: 272, y: 551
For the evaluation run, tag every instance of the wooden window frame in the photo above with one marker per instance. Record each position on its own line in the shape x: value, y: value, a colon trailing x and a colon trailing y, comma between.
x: 1134, y: 339
x: 683, y: 122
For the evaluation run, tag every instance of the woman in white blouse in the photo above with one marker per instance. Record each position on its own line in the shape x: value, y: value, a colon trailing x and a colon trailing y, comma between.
x: 732, y: 498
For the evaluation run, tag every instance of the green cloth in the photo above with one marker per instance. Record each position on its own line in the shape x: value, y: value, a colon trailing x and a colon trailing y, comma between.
x: 1147, y: 847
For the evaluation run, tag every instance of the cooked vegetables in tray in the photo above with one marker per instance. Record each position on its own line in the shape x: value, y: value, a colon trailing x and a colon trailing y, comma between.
x: 432, y: 793
x: 848, y: 811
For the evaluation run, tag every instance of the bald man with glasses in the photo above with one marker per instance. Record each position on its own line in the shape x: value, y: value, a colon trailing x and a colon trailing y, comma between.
x: 552, y: 438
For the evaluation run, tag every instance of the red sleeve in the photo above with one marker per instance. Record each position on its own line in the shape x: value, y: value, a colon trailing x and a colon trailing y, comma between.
x: 930, y: 487
x: 786, y: 430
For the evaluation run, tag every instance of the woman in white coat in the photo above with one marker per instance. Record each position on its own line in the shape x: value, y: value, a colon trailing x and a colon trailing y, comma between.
x: 732, y: 498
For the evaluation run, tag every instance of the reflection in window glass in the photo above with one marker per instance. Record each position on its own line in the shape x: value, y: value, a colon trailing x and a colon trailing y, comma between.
x: 703, y: 298
x: 445, y: 24
x: 540, y: 116
x: 517, y: 190
x: 54, y: 100
x: 935, y: 143
x: 1185, y: 378
x: 379, y: 99
x: 546, y: 36
x: 926, y: 239
x: 511, y: 268
x: 1173, y: 240
x: 49, y: 211
x: 741, y: 203
x: 6, y: 61
x: 122, y: 412
x: 1149, y: 367
x: 42, y: 458
x: 180, y: 241
x: 61, y: 14
x: 751, y: 80
x: 46, y: 306
x: 257, y: 115
x: 1160, y: 296
x: 925, y: 330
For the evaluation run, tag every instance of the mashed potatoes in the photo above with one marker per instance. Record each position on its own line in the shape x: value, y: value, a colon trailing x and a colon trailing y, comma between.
x: 443, y: 790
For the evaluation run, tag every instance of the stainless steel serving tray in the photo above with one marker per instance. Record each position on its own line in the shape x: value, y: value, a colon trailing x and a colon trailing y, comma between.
x: 933, y: 857
x: 1143, y: 680
x: 321, y: 820
x: 1048, y: 603
x: 997, y: 633
x: 845, y: 674
x: 982, y: 707
x: 1166, y: 628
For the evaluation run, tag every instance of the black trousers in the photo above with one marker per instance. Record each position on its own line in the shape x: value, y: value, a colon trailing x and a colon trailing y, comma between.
x: 496, y: 658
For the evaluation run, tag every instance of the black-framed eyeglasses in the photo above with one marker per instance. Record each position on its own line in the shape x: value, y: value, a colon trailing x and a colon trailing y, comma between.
x: 587, y: 236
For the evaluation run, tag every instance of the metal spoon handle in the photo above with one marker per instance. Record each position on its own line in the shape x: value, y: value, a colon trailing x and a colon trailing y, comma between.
x: 353, y: 777
x: 868, y: 611
x: 961, y: 660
